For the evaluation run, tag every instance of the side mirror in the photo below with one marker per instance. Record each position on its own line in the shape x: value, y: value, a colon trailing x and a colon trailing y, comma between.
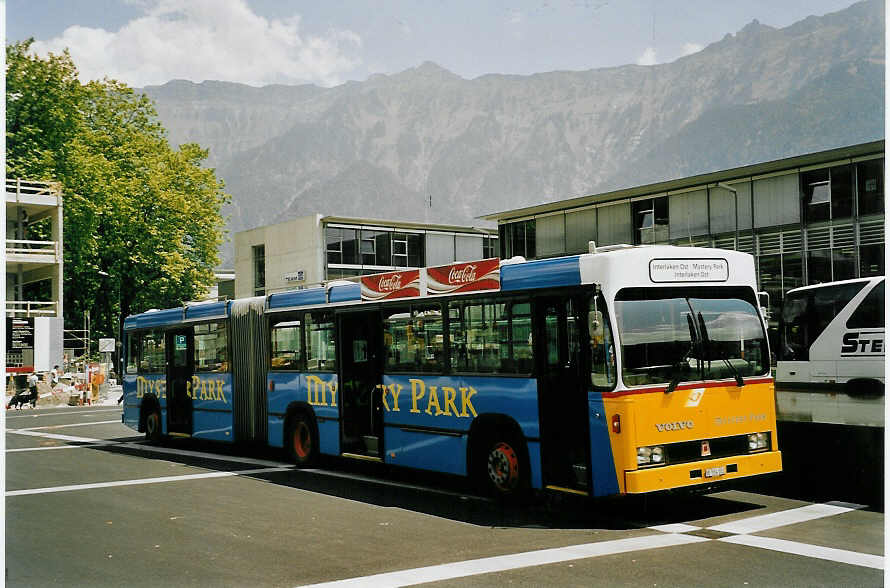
x: 594, y: 324
x: 763, y: 302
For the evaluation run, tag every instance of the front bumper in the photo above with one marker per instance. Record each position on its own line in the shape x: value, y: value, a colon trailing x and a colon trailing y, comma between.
x: 695, y: 473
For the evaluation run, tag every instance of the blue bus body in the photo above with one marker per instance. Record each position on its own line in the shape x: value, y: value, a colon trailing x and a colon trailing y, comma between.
x: 522, y: 380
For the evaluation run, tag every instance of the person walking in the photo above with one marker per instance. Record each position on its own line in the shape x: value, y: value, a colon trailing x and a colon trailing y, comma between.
x: 32, y: 388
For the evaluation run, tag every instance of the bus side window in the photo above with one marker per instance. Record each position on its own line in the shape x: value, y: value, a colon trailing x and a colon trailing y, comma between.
x: 602, y: 347
x: 152, y: 358
x: 133, y: 340
x: 870, y: 314
x: 320, y: 350
x: 211, y: 348
x: 286, y: 351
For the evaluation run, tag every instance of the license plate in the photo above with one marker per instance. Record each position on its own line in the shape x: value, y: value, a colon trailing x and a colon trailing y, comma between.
x: 714, y: 472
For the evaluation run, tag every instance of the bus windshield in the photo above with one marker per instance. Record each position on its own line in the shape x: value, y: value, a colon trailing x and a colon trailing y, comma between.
x: 806, y: 313
x: 662, y: 336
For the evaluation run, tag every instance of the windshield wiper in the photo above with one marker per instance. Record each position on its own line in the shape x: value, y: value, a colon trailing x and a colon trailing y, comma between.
x: 706, y: 345
x: 682, y: 365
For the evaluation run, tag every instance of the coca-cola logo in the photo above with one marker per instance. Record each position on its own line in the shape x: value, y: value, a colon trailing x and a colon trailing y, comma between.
x: 464, y: 275
x: 390, y: 283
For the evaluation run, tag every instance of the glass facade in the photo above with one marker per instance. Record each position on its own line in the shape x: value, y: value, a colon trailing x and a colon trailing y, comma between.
x: 358, y: 251
x: 820, y: 224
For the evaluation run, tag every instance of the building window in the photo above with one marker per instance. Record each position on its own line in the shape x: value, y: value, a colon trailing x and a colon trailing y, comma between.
x: 400, y: 249
x: 518, y: 239
x: 334, y: 241
x: 819, y: 266
x: 341, y: 245
x: 650, y: 218
x: 368, y: 248
x: 489, y: 247
x: 416, y: 254
x: 843, y: 263
x: 259, y: 270
x: 870, y: 183
x: 828, y: 193
x: 871, y: 260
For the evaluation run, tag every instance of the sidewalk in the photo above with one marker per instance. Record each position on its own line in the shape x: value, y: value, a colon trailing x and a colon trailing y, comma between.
x: 58, y: 396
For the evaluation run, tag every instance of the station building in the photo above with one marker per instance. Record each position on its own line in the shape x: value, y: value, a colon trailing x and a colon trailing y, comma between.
x: 34, y: 271
x: 808, y: 219
x: 314, y: 249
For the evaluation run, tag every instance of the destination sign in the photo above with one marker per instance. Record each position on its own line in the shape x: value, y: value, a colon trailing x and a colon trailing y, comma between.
x: 688, y: 270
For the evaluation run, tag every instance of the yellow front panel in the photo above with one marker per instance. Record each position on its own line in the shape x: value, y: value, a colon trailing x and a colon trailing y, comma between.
x: 678, y: 476
x: 689, y: 414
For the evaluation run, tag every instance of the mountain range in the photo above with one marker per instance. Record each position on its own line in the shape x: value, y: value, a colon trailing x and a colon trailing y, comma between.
x: 427, y: 145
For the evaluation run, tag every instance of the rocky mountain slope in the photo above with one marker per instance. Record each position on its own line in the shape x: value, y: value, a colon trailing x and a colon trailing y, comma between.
x: 390, y: 146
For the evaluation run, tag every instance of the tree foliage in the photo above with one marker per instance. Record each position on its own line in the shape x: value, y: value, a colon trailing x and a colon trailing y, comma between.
x: 142, y: 221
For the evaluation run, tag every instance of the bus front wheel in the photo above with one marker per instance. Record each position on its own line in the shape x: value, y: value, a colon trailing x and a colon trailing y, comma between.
x: 153, y: 425
x: 301, y: 439
x: 502, y: 467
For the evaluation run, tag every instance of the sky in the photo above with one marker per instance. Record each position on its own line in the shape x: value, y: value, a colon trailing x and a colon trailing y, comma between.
x: 260, y: 42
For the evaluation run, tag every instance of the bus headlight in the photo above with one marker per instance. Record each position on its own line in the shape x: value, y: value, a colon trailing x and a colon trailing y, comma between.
x: 653, y: 455
x: 758, y: 441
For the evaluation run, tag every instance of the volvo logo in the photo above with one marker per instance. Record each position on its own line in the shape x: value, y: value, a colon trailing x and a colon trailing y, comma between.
x: 676, y: 426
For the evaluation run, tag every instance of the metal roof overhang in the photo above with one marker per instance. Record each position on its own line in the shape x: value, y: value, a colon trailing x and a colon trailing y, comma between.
x: 417, y: 226
x: 757, y: 169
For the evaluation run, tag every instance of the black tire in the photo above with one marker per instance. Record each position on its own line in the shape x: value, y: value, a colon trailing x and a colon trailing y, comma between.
x: 502, y: 467
x: 153, y: 428
x: 301, y: 439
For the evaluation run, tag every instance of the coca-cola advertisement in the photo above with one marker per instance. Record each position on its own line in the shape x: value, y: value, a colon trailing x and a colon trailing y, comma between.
x: 391, y: 285
x: 464, y: 277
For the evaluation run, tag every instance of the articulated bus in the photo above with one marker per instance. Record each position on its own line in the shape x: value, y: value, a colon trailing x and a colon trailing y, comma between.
x: 625, y: 370
x: 831, y: 353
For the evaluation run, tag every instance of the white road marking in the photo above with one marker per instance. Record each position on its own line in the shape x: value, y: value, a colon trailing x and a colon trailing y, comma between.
x: 675, y: 528
x: 502, y: 563
x: 20, y: 449
x: 780, y: 519
x: 55, y: 436
x: 141, y: 481
x: 42, y: 413
x: 204, y: 455
x: 65, y: 426
x: 828, y: 553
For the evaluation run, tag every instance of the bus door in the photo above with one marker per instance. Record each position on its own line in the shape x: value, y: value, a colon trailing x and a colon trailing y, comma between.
x: 562, y: 394
x: 361, y: 370
x: 180, y: 369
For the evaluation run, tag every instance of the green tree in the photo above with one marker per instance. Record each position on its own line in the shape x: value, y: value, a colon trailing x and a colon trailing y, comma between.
x: 142, y: 221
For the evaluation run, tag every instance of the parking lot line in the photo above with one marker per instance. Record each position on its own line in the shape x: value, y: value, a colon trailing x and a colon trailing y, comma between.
x: 54, y: 436
x: 51, y: 447
x: 118, y: 421
x: 503, y: 563
x: 828, y: 553
x: 780, y: 519
x: 159, y: 480
x: 44, y: 413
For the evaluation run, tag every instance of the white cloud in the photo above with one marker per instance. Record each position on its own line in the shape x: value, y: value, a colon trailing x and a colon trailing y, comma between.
x: 690, y: 48
x: 208, y: 40
x: 648, y: 57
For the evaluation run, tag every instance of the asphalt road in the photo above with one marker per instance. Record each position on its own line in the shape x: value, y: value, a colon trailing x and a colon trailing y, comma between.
x: 88, y: 503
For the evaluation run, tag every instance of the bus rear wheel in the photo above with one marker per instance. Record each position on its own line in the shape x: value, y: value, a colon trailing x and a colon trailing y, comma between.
x: 301, y: 440
x: 502, y: 468
x: 153, y: 425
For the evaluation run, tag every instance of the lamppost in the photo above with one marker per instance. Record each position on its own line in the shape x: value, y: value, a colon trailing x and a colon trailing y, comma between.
x: 119, y: 324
